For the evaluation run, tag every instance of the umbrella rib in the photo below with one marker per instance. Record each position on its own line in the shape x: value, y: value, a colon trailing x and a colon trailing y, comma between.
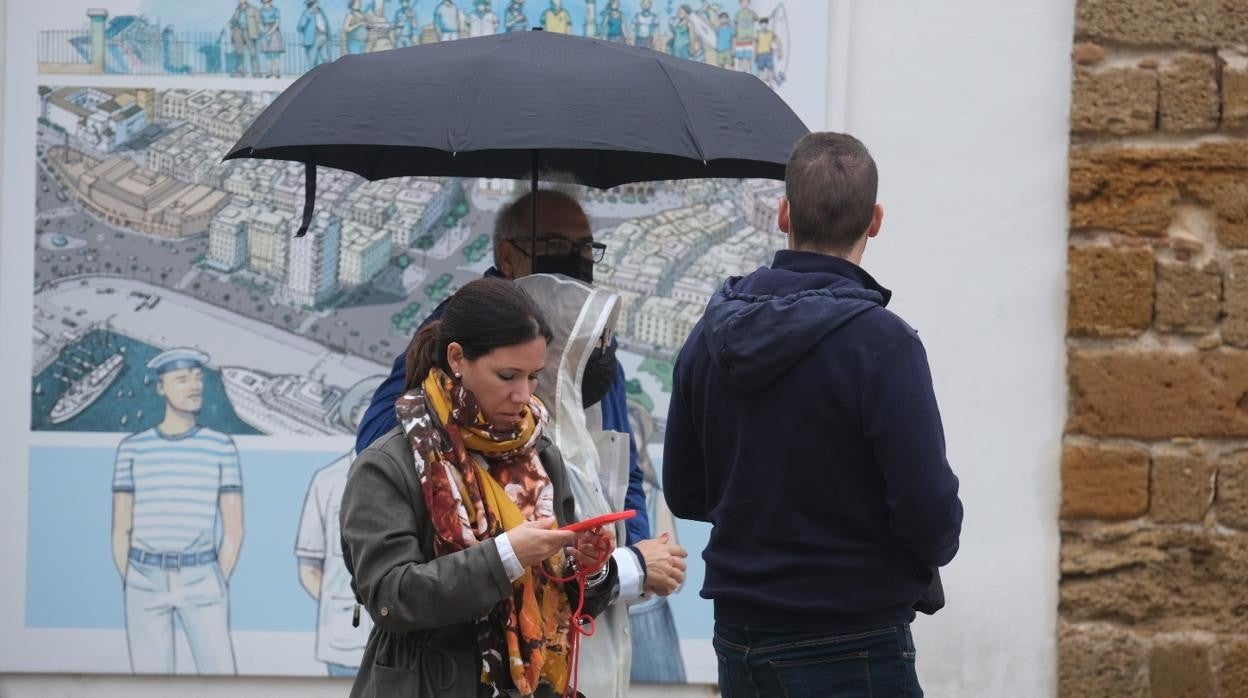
x: 311, y: 76
x: 476, y: 85
x: 684, y: 108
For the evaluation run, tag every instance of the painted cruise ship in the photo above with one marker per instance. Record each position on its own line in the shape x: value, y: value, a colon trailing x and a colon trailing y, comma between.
x: 283, y: 404
x: 84, y: 391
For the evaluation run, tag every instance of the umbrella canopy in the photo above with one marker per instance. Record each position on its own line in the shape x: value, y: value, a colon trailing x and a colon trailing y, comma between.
x: 606, y: 113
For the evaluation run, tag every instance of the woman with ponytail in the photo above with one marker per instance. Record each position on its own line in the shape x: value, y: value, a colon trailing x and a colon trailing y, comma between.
x: 449, y: 521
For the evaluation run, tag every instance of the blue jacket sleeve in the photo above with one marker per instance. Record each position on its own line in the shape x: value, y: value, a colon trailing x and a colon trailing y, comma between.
x: 902, y: 423
x: 684, y: 466
x: 638, y: 527
x: 615, y: 418
x: 379, y: 417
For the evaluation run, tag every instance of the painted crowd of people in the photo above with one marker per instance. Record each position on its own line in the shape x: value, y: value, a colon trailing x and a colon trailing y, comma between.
x: 740, y: 40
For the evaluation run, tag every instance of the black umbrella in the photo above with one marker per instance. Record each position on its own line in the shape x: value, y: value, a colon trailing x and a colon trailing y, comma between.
x: 503, y: 105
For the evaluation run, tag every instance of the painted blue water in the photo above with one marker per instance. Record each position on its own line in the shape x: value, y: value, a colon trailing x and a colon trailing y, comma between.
x: 127, y: 395
x: 70, y: 578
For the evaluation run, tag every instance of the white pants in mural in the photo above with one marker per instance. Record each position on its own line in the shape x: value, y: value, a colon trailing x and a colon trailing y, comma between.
x: 197, y: 596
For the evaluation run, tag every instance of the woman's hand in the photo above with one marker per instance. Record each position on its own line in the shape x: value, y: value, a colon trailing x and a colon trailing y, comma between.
x: 591, y: 547
x: 534, y: 541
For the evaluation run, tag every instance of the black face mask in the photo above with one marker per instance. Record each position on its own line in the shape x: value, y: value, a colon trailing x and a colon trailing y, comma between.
x: 574, y: 265
x: 599, y: 375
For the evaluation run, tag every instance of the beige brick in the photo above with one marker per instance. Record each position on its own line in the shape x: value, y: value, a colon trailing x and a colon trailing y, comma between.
x: 1189, y: 94
x: 1111, y: 190
x: 1233, y: 675
x: 1132, y: 190
x: 1083, y: 558
x: 1158, y: 394
x: 1228, y: 196
x: 1164, y: 23
x: 1164, y: 579
x: 1104, y: 482
x: 1181, y: 668
x: 1117, y: 101
x: 1110, y: 290
x: 1099, y: 660
x: 1181, y: 488
x: 1234, y: 90
x: 1235, y: 300
x: 1189, y: 298
x: 1232, y: 491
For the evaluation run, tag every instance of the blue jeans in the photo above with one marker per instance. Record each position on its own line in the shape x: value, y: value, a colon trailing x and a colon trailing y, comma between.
x: 756, y: 662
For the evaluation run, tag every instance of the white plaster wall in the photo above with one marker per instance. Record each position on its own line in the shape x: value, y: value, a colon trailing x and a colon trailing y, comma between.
x: 964, y: 104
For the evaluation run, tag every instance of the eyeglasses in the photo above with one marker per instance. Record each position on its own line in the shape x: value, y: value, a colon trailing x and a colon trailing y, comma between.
x: 561, y: 246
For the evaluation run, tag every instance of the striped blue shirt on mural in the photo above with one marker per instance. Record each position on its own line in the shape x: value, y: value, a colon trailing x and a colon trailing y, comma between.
x: 176, y: 482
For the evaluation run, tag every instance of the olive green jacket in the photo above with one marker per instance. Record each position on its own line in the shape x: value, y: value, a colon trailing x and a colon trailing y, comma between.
x: 423, y: 642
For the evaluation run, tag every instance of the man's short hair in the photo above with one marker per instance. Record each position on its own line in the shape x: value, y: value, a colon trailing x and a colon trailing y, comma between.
x: 515, y: 220
x: 831, y: 184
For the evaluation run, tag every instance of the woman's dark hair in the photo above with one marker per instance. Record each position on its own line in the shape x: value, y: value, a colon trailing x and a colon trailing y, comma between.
x: 484, y: 315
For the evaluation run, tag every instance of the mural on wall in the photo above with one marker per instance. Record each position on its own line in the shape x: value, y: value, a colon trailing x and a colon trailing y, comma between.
x: 135, y: 233
x: 186, y: 348
x: 283, y: 38
x: 145, y: 230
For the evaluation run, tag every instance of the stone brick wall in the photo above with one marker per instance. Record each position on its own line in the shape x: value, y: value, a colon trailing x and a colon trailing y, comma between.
x: 1154, y: 561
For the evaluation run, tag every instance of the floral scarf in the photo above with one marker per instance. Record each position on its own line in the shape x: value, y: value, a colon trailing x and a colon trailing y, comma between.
x: 469, y: 503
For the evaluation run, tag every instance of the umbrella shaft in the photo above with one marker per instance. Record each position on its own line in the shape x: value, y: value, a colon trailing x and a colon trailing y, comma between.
x: 533, y: 208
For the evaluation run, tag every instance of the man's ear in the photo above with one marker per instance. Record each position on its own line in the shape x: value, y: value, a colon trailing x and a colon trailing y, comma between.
x: 782, y: 216
x: 505, y: 258
x: 877, y: 219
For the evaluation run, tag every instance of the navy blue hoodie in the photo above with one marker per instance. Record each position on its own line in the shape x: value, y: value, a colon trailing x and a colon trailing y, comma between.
x: 803, y: 425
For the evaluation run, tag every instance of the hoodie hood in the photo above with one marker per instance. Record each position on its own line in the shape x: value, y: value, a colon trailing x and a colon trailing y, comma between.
x: 754, y: 338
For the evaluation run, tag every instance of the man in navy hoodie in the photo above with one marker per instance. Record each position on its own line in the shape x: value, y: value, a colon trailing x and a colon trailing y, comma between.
x: 804, y: 428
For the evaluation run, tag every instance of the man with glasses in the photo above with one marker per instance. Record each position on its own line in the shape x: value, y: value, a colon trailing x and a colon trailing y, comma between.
x: 565, y: 245
x: 556, y: 254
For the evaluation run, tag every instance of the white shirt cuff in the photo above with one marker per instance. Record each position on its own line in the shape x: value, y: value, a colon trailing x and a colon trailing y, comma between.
x: 511, y: 564
x: 631, y: 579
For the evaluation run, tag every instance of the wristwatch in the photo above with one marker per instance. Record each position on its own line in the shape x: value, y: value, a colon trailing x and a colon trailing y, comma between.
x: 597, y: 577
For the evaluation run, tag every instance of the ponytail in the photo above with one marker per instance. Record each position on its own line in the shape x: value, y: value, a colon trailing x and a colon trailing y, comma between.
x: 421, y: 355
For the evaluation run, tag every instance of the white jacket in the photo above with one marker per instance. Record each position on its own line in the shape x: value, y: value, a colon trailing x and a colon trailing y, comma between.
x: 596, y: 460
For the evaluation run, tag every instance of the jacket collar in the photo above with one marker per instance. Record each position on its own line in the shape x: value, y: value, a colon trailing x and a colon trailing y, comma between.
x: 802, y: 261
